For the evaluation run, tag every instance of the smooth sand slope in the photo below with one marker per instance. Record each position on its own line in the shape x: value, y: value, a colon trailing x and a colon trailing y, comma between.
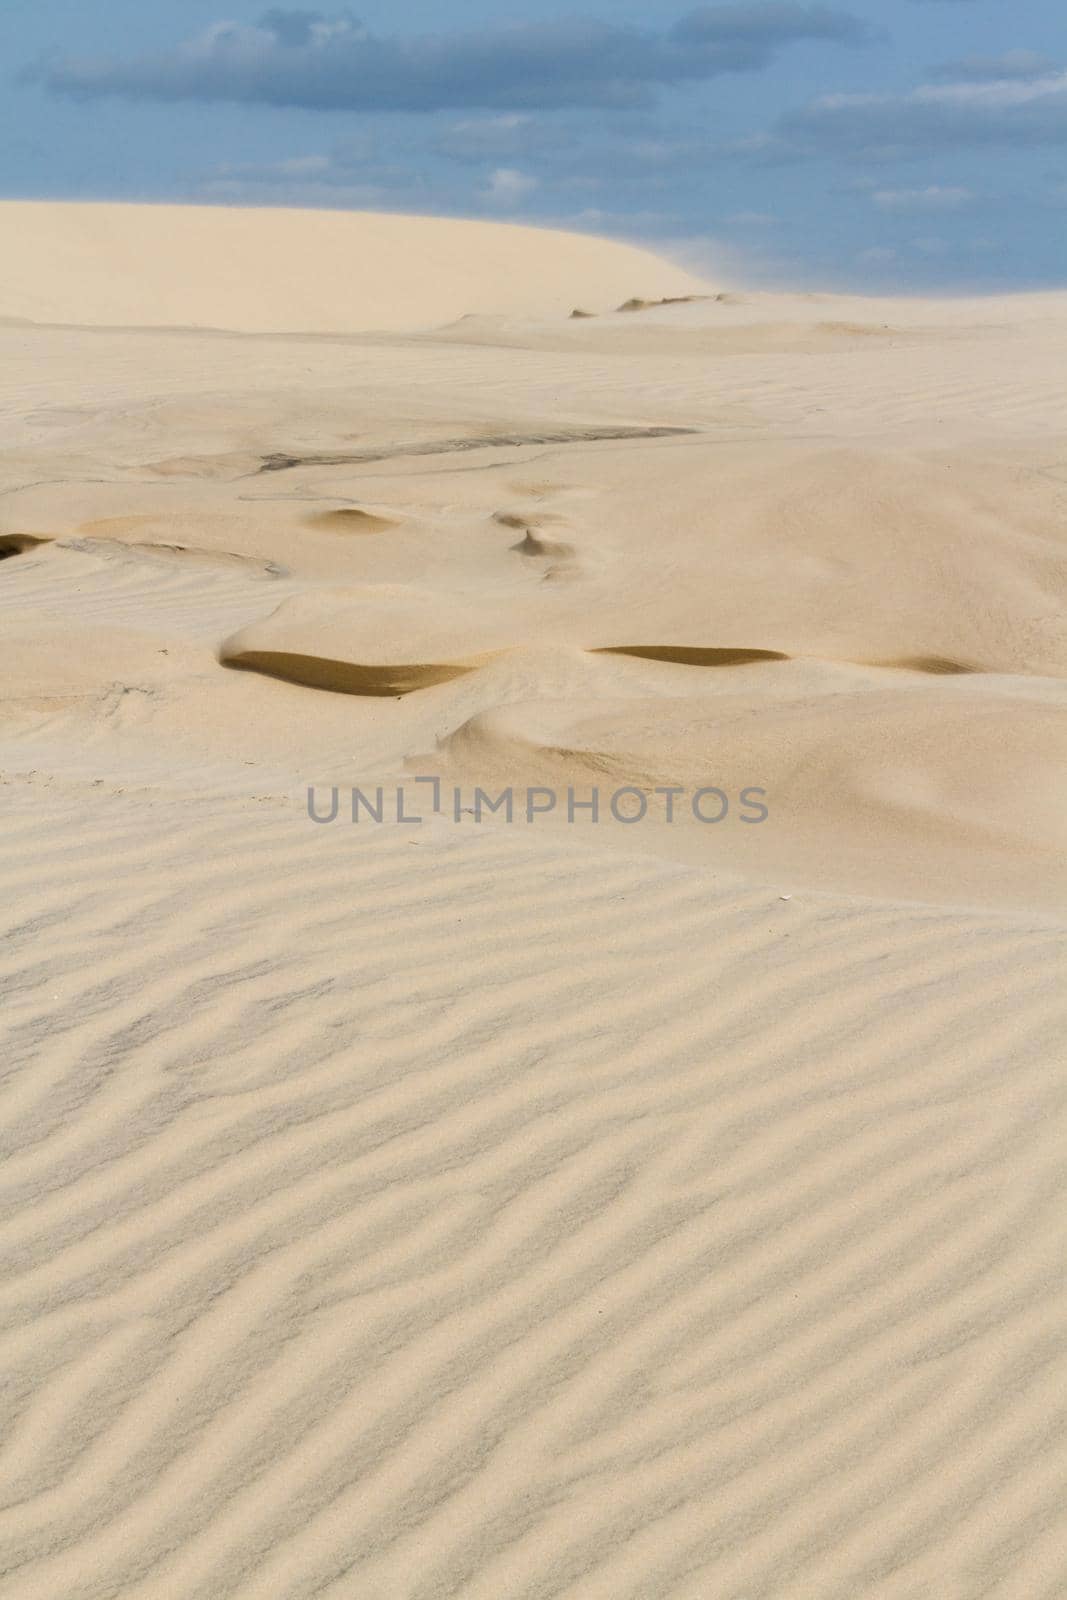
x: 315, y: 271
x: 658, y: 1211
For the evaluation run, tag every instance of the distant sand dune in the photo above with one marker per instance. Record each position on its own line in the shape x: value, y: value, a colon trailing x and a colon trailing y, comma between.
x: 274, y: 270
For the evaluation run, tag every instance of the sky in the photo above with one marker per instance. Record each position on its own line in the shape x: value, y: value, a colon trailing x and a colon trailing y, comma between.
x: 914, y: 145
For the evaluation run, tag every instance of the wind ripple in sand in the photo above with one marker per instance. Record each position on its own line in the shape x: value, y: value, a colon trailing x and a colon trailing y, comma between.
x: 175, y: 591
x: 459, y: 1213
x: 325, y: 1274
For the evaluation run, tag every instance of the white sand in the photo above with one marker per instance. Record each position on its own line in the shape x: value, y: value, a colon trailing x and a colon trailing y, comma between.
x: 655, y: 1212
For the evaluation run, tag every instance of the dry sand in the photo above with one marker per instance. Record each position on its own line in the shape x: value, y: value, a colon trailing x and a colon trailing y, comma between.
x: 623, y: 1212
x: 273, y: 271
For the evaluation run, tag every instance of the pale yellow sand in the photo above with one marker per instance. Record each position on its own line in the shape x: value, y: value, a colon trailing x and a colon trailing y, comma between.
x: 316, y: 271
x: 657, y: 1212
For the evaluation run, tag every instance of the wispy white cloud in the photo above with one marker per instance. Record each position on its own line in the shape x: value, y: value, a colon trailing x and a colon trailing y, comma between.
x: 935, y: 197
x: 930, y: 118
x: 508, y: 186
x: 1023, y: 65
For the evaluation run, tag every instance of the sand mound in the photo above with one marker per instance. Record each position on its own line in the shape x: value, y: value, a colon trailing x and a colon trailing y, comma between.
x: 351, y: 519
x: 313, y: 271
x: 899, y: 791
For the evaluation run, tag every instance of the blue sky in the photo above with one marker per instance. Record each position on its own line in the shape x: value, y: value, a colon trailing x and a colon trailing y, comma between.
x: 916, y: 145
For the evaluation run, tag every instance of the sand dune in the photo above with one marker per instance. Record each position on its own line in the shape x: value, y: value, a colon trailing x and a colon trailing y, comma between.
x: 313, y: 271
x: 456, y: 1208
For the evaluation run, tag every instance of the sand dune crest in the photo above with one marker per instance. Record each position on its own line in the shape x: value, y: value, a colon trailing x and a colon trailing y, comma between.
x: 313, y: 271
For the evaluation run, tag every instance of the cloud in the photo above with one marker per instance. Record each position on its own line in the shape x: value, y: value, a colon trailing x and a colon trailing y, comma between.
x: 890, y: 127
x: 933, y: 198
x: 509, y: 187
x: 573, y: 148
x: 239, y: 191
x: 352, y: 173
x: 303, y: 58
x: 931, y: 246
x: 1023, y: 66
x: 761, y: 150
x: 293, y: 29
x: 293, y: 169
x: 596, y: 219
x: 503, y: 137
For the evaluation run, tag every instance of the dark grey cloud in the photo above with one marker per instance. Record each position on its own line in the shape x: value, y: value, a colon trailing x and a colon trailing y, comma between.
x: 891, y: 127
x: 298, y: 58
